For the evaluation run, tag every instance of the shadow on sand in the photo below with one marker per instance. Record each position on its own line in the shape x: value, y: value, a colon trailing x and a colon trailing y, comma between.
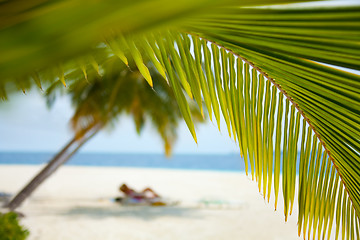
x: 142, y: 212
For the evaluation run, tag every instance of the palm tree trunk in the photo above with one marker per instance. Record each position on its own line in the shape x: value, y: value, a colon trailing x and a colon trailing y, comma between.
x: 59, y: 159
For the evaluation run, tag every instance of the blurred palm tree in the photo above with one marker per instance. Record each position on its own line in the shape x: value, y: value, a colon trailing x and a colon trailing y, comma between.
x: 101, y: 100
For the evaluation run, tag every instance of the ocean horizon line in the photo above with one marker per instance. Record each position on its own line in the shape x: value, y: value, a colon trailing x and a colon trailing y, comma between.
x: 186, y: 161
x: 230, y: 162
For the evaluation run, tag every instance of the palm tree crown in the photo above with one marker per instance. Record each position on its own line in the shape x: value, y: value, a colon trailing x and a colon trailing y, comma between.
x: 122, y: 90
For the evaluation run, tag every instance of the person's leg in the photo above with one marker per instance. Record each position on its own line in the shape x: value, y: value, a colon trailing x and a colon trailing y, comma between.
x: 151, y: 191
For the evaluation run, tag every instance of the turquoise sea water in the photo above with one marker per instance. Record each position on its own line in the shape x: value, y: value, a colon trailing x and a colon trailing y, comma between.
x: 223, y: 162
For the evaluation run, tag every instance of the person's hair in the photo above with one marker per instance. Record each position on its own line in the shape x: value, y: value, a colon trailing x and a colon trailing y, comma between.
x: 123, y: 187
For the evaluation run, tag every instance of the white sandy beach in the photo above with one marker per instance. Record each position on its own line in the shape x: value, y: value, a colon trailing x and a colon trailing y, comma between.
x: 76, y: 203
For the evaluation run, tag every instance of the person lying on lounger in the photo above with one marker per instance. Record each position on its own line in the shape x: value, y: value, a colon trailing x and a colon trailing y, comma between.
x: 146, y: 196
x: 146, y: 193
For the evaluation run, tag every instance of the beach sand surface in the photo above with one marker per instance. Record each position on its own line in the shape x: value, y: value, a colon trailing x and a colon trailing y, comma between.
x: 77, y: 203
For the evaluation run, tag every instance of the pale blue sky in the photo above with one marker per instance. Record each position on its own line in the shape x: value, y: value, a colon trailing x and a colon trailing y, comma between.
x: 26, y: 124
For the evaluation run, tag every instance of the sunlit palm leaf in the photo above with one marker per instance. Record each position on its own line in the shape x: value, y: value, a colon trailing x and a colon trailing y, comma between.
x: 329, y: 98
x: 257, y: 101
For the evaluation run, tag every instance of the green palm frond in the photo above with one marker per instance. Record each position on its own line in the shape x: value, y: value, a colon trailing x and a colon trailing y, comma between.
x: 268, y: 71
x: 36, y: 34
x: 240, y: 85
x: 328, y: 98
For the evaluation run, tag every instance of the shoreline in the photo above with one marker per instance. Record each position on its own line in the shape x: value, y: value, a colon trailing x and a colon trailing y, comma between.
x: 75, y: 203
